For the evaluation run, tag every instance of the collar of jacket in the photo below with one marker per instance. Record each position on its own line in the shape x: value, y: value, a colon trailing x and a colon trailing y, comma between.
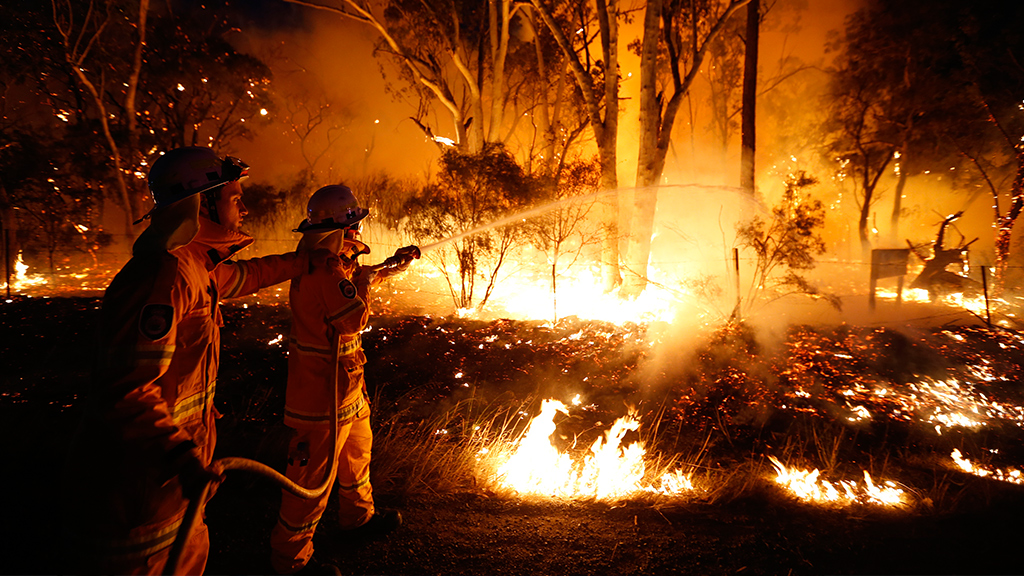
x: 215, y: 243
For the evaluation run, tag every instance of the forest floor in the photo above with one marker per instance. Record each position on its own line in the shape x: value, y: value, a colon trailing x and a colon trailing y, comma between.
x: 726, y: 407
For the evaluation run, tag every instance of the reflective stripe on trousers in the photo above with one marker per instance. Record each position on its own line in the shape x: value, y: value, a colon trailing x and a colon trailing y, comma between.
x: 291, y: 540
x: 147, y: 549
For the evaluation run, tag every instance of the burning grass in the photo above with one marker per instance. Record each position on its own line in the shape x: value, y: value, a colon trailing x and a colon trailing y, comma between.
x: 843, y: 416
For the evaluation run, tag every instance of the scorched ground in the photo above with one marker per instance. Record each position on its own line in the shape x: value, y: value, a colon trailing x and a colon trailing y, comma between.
x: 846, y: 400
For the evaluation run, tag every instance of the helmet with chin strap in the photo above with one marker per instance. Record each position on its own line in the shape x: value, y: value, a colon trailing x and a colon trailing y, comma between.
x: 182, y: 172
x: 332, y: 208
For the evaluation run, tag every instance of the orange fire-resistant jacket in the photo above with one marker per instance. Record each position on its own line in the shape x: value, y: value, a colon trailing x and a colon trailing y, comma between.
x: 331, y: 300
x: 156, y: 377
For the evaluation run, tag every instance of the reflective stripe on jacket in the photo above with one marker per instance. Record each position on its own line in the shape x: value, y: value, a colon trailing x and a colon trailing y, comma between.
x: 155, y: 379
x: 325, y: 302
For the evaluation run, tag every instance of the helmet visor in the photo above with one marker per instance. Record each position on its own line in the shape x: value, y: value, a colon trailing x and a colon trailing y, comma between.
x: 232, y: 169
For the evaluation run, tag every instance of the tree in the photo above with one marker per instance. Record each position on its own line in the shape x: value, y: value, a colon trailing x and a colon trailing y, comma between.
x: 199, y: 90
x: 598, y: 82
x: 563, y: 232
x: 890, y: 100
x: 93, y: 38
x: 52, y: 170
x: 471, y: 192
x: 992, y: 57
x: 144, y: 91
x: 927, y: 80
x: 748, y: 138
x: 431, y: 38
x: 785, y: 244
x: 57, y: 205
x: 677, y: 35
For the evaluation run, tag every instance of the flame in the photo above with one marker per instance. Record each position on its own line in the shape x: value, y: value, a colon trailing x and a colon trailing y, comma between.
x: 22, y: 279
x: 607, y: 472
x: 1011, y: 475
x: 974, y: 304
x: 809, y: 487
x: 529, y: 297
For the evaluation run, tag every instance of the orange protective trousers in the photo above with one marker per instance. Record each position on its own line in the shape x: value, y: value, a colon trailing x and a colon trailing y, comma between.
x: 291, y: 540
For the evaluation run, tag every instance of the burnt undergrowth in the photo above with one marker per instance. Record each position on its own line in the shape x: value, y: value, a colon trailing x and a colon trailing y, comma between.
x: 843, y: 400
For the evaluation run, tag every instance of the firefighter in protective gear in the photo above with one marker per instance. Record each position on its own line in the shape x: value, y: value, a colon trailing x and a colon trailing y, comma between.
x: 148, y: 436
x: 331, y: 302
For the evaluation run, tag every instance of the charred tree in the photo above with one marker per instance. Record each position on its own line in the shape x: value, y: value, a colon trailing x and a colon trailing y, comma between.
x: 934, y: 277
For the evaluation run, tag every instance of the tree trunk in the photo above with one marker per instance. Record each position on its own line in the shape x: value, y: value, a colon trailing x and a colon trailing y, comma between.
x: 608, y: 143
x: 547, y: 110
x: 498, y: 14
x: 609, y: 213
x: 1005, y: 223
x: 897, y: 206
x: 747, y: 138
x: 656, y: 128
x: 129, y: 104
x: 11, y: 248
x: 645, y: 197
x: 123, y: 198
x: 605, y: 128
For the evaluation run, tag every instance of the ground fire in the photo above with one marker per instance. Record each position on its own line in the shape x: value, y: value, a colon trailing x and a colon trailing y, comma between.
x: 636, y: 328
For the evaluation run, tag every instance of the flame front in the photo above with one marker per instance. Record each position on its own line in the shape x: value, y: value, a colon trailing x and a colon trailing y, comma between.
x: 1011, y: 475
x: 808, y: 486
x: 607, y: 472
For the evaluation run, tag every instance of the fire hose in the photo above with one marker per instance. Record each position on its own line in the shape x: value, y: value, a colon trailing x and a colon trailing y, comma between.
x: 221, y: 465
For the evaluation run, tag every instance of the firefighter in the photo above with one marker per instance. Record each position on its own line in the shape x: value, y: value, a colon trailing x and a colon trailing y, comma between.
x: 331, y: 302
x: 148, y: 436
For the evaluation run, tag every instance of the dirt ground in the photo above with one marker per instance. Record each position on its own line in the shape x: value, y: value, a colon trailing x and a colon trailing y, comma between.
x: 46, y: 359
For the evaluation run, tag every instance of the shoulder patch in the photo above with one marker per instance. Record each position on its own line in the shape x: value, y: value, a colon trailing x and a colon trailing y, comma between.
x: 156, y: 320
x: 348, y: 289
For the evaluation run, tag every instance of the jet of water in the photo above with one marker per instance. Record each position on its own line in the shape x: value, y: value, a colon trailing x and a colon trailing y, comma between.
x: 537, y: 211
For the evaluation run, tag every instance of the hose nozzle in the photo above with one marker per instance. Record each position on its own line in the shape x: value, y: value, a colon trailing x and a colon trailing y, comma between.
x: 402, y: 257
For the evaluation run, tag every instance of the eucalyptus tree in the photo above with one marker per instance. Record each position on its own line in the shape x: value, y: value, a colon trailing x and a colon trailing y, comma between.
x: 677, y: 35
x: 991, y: 55
x: 449, y: 52
x: 103, y: 42
x: 890, y: 102
x: 198, y: 89
x: 471, y: 192
x: 589, y: 40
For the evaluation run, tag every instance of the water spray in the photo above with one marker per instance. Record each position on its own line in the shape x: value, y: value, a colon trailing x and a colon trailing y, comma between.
x: 558, y: 204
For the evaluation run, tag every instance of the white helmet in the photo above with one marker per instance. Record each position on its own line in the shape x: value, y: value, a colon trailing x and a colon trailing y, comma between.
x: 189, y: 170
x: 332, y: 208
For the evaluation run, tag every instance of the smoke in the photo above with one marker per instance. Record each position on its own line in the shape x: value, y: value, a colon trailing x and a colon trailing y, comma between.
x: 324, y: 65
x: 335, y: 116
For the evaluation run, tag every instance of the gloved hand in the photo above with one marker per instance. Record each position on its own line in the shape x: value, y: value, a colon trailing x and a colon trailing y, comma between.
x: 193, y: 475
x: 403, y: 257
